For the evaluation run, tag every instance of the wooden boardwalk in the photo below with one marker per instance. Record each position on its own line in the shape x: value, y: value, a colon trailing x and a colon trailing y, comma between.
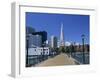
x: 58, y: 60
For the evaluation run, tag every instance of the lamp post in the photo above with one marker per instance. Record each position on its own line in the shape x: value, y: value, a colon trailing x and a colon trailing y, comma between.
x: 43, y: 50
x: 83, y: 36
x: 27, y: 39
x: 71, y: 49
x: 74, y: 48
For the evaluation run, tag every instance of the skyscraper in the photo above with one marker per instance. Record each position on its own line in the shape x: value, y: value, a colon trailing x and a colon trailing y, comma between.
x: 43, y: 34
x: 62, y: 36
x: 34, y: 41
x: 30, y: 30
x: 54, y: 42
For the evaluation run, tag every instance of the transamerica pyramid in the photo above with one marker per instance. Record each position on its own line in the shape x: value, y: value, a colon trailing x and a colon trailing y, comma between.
x: 61, y: 36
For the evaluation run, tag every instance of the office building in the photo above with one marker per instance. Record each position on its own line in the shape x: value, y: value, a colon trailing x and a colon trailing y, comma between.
x: 53, y: 42
x: 62, y: 36
x: 43, y: 35
x: 34, y: 41
x: 39, y: 51
x: 30, y: 30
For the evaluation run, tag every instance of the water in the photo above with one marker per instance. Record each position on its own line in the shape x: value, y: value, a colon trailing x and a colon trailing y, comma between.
x: 79, y: 57
x: 35, y: 59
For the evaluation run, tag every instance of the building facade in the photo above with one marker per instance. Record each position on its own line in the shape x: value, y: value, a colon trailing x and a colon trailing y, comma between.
x: 30, y: 30
x: 43, y: 35
x: 54, y: 42
x: 39, y: 51
x: 34, y: 41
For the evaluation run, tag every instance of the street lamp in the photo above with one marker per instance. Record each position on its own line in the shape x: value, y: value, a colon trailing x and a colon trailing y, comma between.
x: 71, y: 49
x: 27, y: 43
x: 43, y: 50
x: 83, y: 36
x: 74, y: 48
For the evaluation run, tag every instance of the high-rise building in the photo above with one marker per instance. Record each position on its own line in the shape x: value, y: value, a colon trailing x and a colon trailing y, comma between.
x: 30, y: 30
x: 43, y: 35
x: 62, y: 36
x: 47, y: 43
x: 54, y: 42
x: 34, y: 41
x: 58, y: 43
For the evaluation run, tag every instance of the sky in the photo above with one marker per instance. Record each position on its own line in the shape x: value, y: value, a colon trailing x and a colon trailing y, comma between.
x: 74, y: 25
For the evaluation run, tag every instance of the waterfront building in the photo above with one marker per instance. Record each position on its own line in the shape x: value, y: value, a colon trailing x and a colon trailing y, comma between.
x: 39, y: 51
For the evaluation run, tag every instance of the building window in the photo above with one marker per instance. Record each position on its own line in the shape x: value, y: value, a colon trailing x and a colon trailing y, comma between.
x: 35, y: 49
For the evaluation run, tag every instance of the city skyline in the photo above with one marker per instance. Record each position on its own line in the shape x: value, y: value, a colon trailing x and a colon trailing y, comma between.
x: 51, y: 23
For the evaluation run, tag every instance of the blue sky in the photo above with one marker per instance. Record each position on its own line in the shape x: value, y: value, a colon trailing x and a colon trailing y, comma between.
x: 74, y: 25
